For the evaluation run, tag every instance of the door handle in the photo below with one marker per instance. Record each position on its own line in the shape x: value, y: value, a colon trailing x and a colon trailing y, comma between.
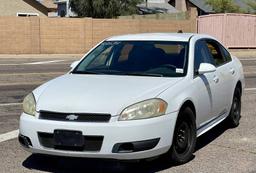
x: 232, y: 71
x: 216, y: 79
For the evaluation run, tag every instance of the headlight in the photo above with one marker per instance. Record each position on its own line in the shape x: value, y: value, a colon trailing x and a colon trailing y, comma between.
x: 29, y: 105
x: 142, y: 110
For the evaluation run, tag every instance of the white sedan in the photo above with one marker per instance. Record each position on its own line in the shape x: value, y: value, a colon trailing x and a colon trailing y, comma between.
x: 135, y: 97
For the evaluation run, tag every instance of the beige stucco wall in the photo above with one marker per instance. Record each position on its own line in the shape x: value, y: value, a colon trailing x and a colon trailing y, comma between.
x: 11, y: 7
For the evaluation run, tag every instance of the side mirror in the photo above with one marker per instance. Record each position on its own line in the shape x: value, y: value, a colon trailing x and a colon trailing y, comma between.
x: 206, y: 68
x: 74, y: 64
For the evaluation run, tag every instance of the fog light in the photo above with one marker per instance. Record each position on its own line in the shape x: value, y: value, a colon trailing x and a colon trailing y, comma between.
x: 25, y: 141
x: 137, y: 146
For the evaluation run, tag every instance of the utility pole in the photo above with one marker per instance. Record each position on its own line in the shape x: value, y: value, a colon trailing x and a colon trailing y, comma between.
x: 146, y: 3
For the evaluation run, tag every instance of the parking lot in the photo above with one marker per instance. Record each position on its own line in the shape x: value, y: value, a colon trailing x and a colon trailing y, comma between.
x: 220, y: 150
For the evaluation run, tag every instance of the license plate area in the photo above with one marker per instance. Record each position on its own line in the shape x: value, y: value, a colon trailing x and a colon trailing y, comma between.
x: 68, y: 138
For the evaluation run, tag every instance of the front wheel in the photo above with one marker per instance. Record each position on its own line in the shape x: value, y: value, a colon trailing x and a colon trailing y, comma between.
x: 184, y: 138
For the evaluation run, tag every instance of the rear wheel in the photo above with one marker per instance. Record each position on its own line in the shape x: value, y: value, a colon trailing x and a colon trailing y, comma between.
x: 235, y: 112
x: 184, y: 139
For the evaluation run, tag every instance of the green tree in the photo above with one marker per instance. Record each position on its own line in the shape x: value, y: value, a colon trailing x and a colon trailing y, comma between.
x: 223, y: 6
x: 104, y: 8
x: 252, y: 5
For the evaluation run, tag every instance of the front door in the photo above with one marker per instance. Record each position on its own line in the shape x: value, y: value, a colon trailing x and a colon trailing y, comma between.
x: 210, y: 101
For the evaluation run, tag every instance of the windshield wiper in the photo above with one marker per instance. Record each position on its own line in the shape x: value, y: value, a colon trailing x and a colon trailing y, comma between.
x: 86, y: 72
x: 115, y: 72
x: 143, y: 74
x: 98, y: 71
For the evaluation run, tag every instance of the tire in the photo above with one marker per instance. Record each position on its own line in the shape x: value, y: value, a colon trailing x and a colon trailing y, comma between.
x: 235, y: 111
x: 184, y: 137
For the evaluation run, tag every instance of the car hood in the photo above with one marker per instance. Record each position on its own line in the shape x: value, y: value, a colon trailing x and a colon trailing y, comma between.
x: 75, y: 93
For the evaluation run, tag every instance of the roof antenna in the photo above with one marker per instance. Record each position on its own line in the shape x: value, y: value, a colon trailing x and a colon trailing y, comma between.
x: 180, y: 31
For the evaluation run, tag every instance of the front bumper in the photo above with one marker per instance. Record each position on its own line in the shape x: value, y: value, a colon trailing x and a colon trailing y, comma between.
x: 113, y: 132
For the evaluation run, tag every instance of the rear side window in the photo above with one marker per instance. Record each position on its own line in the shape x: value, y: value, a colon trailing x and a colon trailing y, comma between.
x: 202, y: 55
x: 226, y: 54
x: 215, y: 52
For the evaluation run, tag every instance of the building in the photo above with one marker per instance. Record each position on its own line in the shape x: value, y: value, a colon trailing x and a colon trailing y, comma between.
x: 52, y: 7
x: 64, y: 9
x: 23, y: 8
x: 186, y: 5
x: 173, y: 6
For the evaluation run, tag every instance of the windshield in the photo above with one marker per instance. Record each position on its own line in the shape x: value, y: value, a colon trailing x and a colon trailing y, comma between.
x: 142, y: 58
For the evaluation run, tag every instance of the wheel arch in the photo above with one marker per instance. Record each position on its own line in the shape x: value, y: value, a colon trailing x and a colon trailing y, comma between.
x: 190, y: 104
x: 239, y: 85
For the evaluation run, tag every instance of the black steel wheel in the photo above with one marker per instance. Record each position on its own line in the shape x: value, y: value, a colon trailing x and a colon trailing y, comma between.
x: 184, y: 138
x: 235, y: 112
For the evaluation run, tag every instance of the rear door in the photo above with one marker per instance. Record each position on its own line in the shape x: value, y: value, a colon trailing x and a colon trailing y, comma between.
x: 230, y: 70
x: 221, y: 79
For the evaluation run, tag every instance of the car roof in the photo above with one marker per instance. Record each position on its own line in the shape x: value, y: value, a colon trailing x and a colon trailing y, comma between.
x: 183, y: 37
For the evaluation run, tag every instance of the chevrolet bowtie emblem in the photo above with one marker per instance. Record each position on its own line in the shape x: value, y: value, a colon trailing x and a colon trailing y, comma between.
x: 72, y: 117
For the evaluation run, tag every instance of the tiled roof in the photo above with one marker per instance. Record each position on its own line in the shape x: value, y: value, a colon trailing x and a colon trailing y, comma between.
x: 208, y: 9
x: 157, y: 7
x: 202, y: 5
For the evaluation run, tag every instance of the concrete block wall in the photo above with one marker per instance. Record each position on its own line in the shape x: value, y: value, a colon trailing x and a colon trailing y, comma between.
x: 62, y: 35
x: 17, y: 35
x: 34, y: 35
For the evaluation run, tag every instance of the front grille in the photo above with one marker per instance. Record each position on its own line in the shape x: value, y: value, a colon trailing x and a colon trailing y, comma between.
x: 91, y: 143
x: 77, y: 117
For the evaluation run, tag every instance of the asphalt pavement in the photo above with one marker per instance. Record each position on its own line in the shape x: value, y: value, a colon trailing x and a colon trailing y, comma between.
x: 220, y: 150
